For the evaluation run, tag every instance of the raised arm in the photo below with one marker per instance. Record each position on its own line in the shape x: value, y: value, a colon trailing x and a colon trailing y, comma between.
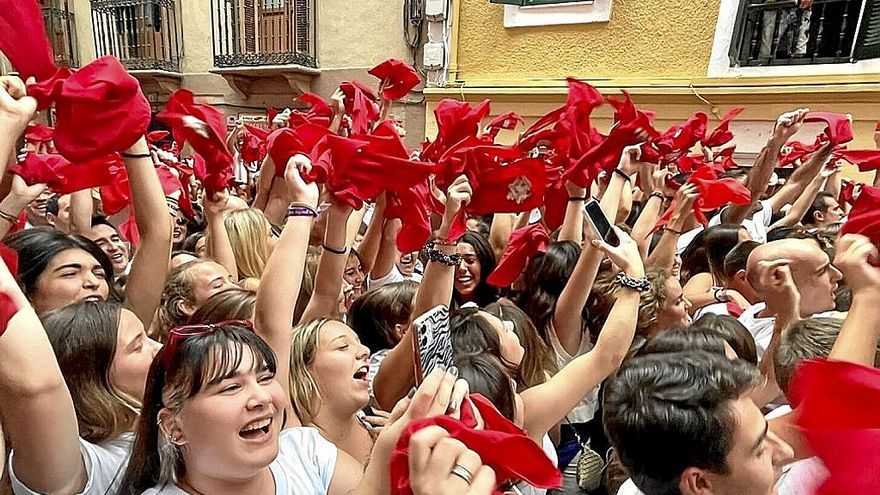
x: 801, y: 179
x: 282, y: 278
x: 328, y: 278
x: 219, y: 246
x: 499, y: 232
x: 664, y: 253
x: 621, y: 178
x: 19, y: 197
x: 858, y: 337
x: 387, y: 254
x: 803, y: 202
x: 652, y: 180
x: 546, y: 404
x: 36, y: 407
x: 567, y: 320
x: 786, y: 126
x: 81, y: 205
x: 146, y: 280
x: 396, y: 374
x: 573, y: 224
x: 371, y: 245
x: 16, y: 110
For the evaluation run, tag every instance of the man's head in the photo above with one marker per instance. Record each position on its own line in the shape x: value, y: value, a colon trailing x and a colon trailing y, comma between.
x: 105, y: 235
x: 58, y: 212
x: 807, y: 339
x: 811, y: 269
x: 36, y: 210
x: 824, y: 211
x: 734, y: 270
x: 684, y: 423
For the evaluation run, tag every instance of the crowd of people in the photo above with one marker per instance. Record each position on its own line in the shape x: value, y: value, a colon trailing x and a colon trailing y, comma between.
x: 170, y: 326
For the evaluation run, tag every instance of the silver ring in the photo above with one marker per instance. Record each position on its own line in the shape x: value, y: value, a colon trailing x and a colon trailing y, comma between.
x: 463, y: 473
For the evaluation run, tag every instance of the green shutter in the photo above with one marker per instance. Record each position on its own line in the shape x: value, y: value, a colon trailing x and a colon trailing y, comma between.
x: 529, y: 3
x: 868, y: 41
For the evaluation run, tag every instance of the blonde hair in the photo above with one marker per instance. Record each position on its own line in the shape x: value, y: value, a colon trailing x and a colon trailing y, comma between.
x: 305, y: 397
x: 178, y: 288
x: 604, y: 295
x: 248, y: 234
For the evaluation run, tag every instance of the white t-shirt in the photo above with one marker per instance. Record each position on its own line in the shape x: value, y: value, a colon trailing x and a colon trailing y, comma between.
x: 760, y: 328
x: 757, y: 225
x: 395, y: 276
x: 304, y: 465
x: 586, y: 408
x: 712, y: 309
x: 105, y: 466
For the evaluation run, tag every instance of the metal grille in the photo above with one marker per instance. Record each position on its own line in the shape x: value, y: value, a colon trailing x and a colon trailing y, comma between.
x: 61, y: 30
x: 263, y: 32
x: 143, y: 34
x: 779, y: 33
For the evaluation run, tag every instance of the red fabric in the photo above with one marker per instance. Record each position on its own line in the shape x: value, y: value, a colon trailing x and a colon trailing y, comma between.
x: 100, y: 109
x: 253, y: 143
x: 7, y: 307
x: 676, y: 141
x: 116, y: 196
x: 847, y: 190
x: 839, y: 413
x: 271, y: 113
x: 456, y: 121
x: 864, y: 218
x: 507, y: 121
x: 361, y: 105
x: 23, y: 40
x: 156, y: 136
x: 319, y: 112
x: 839, y: 130
x: 398, y: 78
x: 129, y: 229
x: 360, y: 168
x: 64, y: 177
x: 38, y: 133
x: 524, y: 244
x: 501, y: 445
x: 413, y: 207
x: 722, y: 135
x: 286, y: 142
x: 713, y: 193
x: 794, y: 151
x: 865, y: 159
x: 204, y: 128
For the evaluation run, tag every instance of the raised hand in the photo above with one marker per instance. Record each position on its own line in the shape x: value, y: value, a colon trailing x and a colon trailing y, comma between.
x: 855, y: 255
x: 16, y: 108
x: 788, y: 124
x: 457, y: 196
x: 629, y: 163
x: 298, y: 190
x: 775, y: 276
x: 441, y: 465
x: 625, y: 255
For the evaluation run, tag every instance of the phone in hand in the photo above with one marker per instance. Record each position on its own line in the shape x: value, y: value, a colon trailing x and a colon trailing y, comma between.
x: 433, y: 341
x: 599, y: 222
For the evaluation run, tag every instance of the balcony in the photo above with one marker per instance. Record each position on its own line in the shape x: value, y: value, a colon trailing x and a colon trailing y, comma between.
x: 143, y: 34
x: 770, y: 32
x: 61, y: 31
x: 263, y: 33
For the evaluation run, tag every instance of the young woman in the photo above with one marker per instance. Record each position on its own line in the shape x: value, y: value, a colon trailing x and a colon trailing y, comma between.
x: 228, y: 304
x: 187, y: 288
x: 701, y: 288
x: 477, y: 263
x: 538, y: 361
x: 58, y: 271
x: 74, y: 416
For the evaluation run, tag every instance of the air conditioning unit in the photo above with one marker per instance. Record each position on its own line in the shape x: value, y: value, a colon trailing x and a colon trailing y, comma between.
x: 434, y: 56
x: 436, y: 10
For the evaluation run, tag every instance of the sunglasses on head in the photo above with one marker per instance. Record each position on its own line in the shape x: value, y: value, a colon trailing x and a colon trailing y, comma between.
x: 180, y: 334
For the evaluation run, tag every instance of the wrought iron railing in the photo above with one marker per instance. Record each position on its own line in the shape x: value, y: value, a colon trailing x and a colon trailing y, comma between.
x: 777, y: 32
x: 61, y: 30
x: 263, y: 32
x: 143, y: 34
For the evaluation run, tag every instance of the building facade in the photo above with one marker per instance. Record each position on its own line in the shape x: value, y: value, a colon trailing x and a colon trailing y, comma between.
x: 240, y: 55
x: 676, y: 57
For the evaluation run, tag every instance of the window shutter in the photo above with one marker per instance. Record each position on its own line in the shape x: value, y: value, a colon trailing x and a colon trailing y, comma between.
x: 868, y: 41
x: 530, y: 3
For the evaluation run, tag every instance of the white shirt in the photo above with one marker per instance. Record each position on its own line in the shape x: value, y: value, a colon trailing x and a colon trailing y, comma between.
x: 304, y: 465
x: 394, y: 276
x: 760, y: 328
x: 105, y: 466
x: 757, y: 225
x: 712, y: 309
x: 587, y: 407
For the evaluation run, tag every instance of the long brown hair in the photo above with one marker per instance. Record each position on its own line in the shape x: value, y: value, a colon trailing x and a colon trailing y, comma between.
x: 538, y: 359
x: 83, y: 336
x: 198, y: 362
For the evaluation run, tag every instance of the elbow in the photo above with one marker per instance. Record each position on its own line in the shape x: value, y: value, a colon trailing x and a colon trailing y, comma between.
x: 34, y: 386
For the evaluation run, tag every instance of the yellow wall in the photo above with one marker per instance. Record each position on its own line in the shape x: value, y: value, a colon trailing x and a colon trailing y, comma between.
x: 669, y: 38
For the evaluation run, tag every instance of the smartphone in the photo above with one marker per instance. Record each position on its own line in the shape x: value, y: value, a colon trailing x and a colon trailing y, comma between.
x: 600, y: 222
x: 433, y: 342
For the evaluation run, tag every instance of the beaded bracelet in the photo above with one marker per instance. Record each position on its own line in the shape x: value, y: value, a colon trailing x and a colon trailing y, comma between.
x: 637, y: 284
x: 438, y: 256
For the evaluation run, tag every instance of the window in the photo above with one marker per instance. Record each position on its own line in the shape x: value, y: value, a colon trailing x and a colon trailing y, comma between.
x: 521, y: 13
x: 778, y: 33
